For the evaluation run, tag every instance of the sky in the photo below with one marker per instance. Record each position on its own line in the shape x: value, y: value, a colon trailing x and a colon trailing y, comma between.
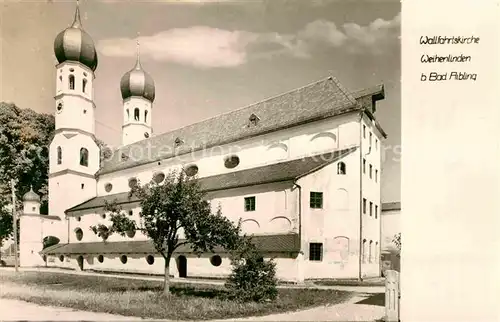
x: 211, y: 57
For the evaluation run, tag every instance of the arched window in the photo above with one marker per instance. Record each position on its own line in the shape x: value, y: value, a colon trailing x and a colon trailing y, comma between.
x: 59, y: 155
x: 146, y: 116
x: 84, y: 157
x: 84, y: 84
x: 341, y: 168
x: 370, y: 252
x: 136, y: 114
x: 363, y: 251
x: 128, y: 115
x: 71, y: 81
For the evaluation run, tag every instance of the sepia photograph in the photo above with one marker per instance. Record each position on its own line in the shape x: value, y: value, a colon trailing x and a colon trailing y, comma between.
x: 200, y: 160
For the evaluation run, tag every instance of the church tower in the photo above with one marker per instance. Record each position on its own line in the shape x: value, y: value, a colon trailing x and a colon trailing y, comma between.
x: 138, y: 93
x: 74, y: 153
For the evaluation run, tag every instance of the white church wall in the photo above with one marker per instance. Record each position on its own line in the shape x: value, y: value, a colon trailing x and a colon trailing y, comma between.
x: 71, y: 143
x: 336, y: 224
x: 68, y: 190
x: 275, y: 208
x: 74, y: 106
x: 30, y: 241
x: 292, y: 143
x: 372, y: 154
x: 200, y: 267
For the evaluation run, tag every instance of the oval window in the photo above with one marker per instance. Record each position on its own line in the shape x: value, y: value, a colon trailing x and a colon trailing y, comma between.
x: 78, y: 218
x: 150, y: 259
x: 158, y: 177
x: 59, y: 107
x: 191, y: 170
x: 216, y: 260
x: 108, y: 187
x: 132, y: 182
x: 61, y: 258
x: 100, y: 258
x: 130, y: 233
x: 231, y: 162
x: 79, y: 234
x: 123, y: 259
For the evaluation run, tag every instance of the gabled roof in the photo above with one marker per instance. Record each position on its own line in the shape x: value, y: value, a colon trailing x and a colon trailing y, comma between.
x: 321, y: 99
x: 282, y: 171
x: 288, y: 243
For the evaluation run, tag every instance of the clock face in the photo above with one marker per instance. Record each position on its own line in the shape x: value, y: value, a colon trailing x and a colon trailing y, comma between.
x: 59, y: 107
x: 146, y: 135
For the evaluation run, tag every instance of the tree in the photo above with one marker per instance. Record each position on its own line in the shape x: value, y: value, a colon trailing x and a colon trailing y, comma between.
x: 397, y: 241
x: 175, y: 207
x: 50, y: 241
x: 6, y: 224
x: 105, y: 151
x: 25, y: 137
x: 252, y: 278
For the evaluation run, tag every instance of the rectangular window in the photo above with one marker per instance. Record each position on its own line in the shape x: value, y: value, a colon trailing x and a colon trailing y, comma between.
x: 315, y: 252
x: 376, y: 175
x: 316, y: 200
x: 371, y: 208
x: 376, y: 211
x: 371, y: 171
x: 364, y: 166
x: 364, y: 205
x: 364, y: 131
x: 250, y: 204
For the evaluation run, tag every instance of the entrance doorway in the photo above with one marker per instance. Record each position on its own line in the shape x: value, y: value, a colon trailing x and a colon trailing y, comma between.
x: 182, y: 266
x: 80, y: 262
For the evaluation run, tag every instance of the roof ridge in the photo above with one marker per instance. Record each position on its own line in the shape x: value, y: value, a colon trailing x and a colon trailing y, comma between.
x: 344, y: 90
x: 248, y: 106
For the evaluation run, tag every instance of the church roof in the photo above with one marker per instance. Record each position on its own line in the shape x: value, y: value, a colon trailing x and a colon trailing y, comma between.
x: 277, y: 172
x: 319, y: 100
x: 265, y: 243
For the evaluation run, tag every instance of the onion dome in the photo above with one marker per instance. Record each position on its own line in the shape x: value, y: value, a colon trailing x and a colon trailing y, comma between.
x: 74, y: 44
x: 137, y: 82
x: 31, y: 196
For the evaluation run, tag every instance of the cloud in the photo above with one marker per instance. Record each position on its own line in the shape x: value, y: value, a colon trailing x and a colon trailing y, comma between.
x: 206, y: 47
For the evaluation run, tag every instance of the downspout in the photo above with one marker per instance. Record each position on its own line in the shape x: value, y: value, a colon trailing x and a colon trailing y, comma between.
x: 361, y: 157
x: 67, y: 219
x: 295, y: 184
x: 360, y: 195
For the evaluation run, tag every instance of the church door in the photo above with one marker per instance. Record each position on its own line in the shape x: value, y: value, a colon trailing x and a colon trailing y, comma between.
x: 80, y: 262
x: 182, y: 266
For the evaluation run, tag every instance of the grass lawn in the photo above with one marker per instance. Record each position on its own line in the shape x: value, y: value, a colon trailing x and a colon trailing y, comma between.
x: 144, y: 298
x: 377, y: 282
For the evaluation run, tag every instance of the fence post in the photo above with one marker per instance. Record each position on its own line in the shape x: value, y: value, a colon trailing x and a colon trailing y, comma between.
x: 392, y: 296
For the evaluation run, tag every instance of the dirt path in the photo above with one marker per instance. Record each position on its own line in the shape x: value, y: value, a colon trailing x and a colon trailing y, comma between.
x: 15, y: 310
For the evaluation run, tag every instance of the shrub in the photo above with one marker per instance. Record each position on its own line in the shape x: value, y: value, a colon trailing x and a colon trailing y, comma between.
x: 252, y: 278
x: 50, y: 241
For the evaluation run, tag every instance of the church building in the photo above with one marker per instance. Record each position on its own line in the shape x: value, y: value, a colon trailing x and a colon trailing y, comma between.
x: 301, y: 169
